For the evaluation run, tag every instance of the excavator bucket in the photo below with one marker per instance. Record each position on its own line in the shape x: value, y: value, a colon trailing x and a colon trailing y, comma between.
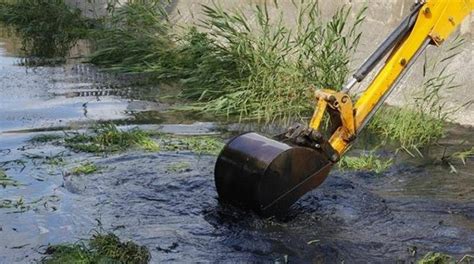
x: 266, y: 175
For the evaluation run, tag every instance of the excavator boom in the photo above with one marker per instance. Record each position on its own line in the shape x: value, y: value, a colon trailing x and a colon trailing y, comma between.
x: 269, y: 175
x: 433, y: 22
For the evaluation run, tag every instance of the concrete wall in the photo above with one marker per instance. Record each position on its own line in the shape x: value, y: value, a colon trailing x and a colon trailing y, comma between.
x: 90, y: 8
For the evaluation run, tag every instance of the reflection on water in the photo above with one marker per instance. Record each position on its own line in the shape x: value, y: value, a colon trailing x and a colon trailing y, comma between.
x: 10, y: 42
x: 48, y: 97
x: 441, y: 180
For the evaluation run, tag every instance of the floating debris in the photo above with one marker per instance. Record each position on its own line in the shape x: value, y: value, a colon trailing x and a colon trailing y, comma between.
x: 5, y: 180
x: 19, y: 205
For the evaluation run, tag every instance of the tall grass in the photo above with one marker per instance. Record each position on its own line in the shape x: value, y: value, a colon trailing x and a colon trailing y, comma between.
x: 423, y: 121
x: 254, y: 66
x: 409, y: 128
x: 365, y: 162
x: 265, y: 70
x: 48, y: 28
x: 134, y: 37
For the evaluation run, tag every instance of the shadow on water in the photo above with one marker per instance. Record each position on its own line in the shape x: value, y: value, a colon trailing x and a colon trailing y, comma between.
x: 167, y: 200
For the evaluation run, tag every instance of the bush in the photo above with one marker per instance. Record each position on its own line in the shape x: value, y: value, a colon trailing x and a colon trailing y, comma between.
x: 261, y: 71
x: 135, y: 38
x: 48, y: 28
x: 264, y: 71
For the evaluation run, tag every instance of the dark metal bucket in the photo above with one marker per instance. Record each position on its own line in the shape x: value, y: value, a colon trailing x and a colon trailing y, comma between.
x: 266, y: 175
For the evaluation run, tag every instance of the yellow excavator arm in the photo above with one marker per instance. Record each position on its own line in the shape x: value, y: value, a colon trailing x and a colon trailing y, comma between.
x: 269, y: 175
x: 430, y: 22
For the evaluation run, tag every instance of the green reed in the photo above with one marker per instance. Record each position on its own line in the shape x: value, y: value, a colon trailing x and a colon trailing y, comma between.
x: 48, y: 28
x: 265, y: 70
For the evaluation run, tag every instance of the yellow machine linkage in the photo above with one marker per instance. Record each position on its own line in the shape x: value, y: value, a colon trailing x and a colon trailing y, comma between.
x: 437, y: 19
x: 269, y: 175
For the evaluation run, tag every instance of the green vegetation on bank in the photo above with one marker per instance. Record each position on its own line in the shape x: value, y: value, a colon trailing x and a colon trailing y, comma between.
x: 100, y: 248
x: 261, y: 70
x: 266, y: 70
x: 48, y: 28
x: 408, y: 128
x: 135, y: 38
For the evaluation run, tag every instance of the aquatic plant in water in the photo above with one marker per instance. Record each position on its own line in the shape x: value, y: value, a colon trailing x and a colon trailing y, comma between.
x: 436, y: 258
x: 108, y: 138
x: 84, y: 168
x: 365, y: 162
x: 5, y: 180
x: 178, y: 167
x: 196, y: 144
x: 101, y: 248
x: 19, y: 205
x: 464, y: 155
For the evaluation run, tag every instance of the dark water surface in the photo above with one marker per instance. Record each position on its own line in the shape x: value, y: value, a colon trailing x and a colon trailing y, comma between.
x: 167, y: 201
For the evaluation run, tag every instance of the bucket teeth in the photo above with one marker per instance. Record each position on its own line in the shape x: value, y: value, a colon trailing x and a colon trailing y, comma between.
x: 303, y: 136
